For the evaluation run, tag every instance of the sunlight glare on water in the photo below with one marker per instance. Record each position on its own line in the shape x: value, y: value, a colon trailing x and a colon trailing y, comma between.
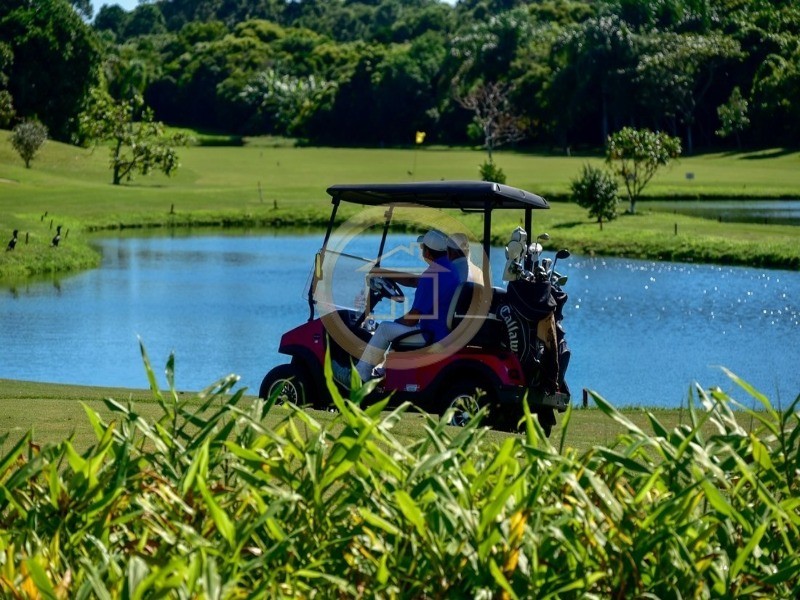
x: 668, y: 324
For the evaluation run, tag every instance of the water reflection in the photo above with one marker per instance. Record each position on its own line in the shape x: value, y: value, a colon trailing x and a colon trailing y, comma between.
x: 773, y: 212
x: 640, y: 331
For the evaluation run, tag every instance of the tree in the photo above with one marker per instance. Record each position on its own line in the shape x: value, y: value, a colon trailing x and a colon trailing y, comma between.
x: 282, y: 101
x: 733, y: 116
x: 637, y: 154
x: 56, y: 59
x: 83, y: 7
x: 489, y: 45
x: 145, y: 19
x: 596, y: 190
x: 494, y: 118
x: 139, y: 144
x: 27, y: 138
x: 590, y: 89
x: 776, y: 86
x: 111, y: 18
x: 7, y: 111
x: 676, y: 71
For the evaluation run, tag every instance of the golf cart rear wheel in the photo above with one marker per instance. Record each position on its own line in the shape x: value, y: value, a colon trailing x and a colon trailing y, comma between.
x: 465, y: 399
x: 287, y: 383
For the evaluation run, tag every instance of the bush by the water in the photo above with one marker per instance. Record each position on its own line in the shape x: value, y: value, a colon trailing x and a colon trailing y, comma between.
x: 208, y: 502
x: 491, y: 172
x: 595, y: 189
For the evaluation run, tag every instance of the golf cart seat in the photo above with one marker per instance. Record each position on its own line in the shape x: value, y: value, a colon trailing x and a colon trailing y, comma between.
x: 459, y: 305
x: 473, y: 301
x: 413, y: 340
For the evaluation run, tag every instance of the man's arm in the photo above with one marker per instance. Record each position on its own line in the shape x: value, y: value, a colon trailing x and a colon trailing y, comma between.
x: 402, y: 277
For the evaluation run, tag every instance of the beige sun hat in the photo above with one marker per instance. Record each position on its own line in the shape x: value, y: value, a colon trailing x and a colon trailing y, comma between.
x: 458, y: 241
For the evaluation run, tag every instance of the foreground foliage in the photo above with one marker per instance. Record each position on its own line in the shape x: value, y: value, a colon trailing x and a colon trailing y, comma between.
x: 207, y: 502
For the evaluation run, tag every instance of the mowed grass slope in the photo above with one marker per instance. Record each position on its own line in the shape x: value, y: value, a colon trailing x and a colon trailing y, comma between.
x: 58, y: 415
x: 272, y: 183
x: 220, y: 177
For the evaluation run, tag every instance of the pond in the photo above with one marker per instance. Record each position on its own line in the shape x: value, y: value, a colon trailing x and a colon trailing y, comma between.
x: 773, y: 212
x: 640, y: 332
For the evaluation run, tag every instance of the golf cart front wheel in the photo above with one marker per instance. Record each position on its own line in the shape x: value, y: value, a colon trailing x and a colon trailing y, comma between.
x: 465, y: 400
x: 285, y: 383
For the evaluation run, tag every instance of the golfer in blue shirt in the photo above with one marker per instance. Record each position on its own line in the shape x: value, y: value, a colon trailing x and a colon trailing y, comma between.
x: 435, y: 289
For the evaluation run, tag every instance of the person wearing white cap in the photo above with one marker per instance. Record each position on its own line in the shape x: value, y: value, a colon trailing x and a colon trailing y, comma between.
x: 435, y: 289
x: 458, y: 253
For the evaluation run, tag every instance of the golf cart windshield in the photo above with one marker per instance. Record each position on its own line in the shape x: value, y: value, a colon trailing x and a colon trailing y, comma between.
x: 347, y: 265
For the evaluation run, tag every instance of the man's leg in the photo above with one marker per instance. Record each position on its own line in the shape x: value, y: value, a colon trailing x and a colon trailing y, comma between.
x: 373, y: 353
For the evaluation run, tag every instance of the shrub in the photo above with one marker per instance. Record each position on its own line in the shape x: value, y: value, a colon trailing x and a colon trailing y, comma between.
x: 491, y: 172
x: 27, y: 138
x: 596, y: 190
x: 210, y: 502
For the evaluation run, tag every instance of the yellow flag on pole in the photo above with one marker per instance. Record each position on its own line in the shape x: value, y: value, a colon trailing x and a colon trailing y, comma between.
x: 420, y: 137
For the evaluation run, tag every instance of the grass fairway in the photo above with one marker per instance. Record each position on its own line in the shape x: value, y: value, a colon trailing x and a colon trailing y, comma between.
x: 265, y: 183
x: 53, y: 412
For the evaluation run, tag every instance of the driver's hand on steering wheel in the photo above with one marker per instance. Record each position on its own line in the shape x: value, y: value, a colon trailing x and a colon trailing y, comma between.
x: 376, y: 271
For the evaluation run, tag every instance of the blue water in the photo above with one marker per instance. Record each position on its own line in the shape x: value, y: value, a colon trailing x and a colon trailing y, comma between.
x: 775, y: 212
x: 641, y: 332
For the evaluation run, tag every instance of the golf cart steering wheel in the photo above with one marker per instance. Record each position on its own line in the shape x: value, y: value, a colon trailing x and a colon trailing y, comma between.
x: 387, y: 288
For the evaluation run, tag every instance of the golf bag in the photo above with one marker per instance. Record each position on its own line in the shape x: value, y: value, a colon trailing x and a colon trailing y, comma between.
x: 531, y: 312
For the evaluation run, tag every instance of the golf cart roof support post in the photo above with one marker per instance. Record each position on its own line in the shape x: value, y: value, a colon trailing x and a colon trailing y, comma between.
x: 528, y: 227
x: 335, y: 201
x: 388, y: 215
x: 312, y: 288
x: 487, y: 236
x: 528, y: 220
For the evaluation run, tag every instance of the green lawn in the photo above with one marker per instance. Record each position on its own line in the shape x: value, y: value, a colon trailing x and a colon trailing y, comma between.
x: 54, y: 413
x: 76, y: 181
x: 267, y: 182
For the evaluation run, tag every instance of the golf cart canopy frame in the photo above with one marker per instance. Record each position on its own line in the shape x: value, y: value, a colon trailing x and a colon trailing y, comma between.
x: 468, y: 196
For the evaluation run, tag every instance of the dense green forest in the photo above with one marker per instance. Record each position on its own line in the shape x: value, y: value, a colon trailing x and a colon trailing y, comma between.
x: 562, y: 73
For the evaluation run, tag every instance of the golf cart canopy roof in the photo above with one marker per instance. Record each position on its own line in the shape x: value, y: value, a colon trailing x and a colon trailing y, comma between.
x: 466, y: 195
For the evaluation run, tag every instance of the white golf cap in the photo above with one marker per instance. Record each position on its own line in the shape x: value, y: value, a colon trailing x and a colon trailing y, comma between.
x: 434, y: 239
x: 458, y: 241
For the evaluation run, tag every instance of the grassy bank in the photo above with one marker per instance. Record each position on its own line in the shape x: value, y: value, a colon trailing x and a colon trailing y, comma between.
x: 265, y: 184
x: 51, y: 411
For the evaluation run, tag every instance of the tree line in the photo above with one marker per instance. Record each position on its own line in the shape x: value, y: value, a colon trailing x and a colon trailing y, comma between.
x: 712, y: 72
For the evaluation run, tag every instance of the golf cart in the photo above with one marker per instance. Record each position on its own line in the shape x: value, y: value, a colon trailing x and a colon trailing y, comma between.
x: 504, y: 343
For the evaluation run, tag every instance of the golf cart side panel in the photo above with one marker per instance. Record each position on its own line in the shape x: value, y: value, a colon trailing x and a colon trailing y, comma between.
x: 308, y: 337
x: 502, y: 369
